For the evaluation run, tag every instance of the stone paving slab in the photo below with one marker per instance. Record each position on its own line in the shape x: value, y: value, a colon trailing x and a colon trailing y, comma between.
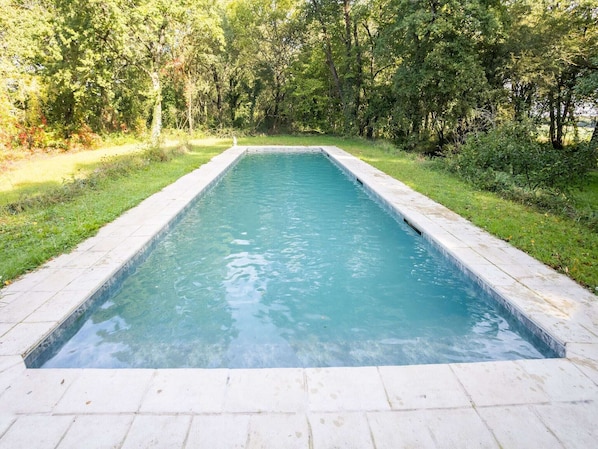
x: 518, y: 427
x: 585, y: 357
x: 574, y: 424
x: 550, y: 403
x: 158, y: 432
x: 347, y: 430
x: 422, y: 387
x: 524, y: 382
x: 273, y: 390
x: 186, y: 391
x: 219, y: 432
x: 96, y: 432
x: 406, y: 429
x: 331, y: 389
x: 36, y: 431
x: 104, y: 391
x: 289, y: 431
x: 37, y: 391
x: 24, y: 336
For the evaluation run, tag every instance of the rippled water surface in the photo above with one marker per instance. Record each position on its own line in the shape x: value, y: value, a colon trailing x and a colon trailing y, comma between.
x: 288, y: 263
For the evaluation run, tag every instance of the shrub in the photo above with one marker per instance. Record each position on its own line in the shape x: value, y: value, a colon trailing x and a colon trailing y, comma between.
x: 510, y: 157
x: 30, y: 137
x: 84, y: 138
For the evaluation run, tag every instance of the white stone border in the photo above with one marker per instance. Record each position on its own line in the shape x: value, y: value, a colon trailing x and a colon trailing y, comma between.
x: 551, y: 305
x: 557, y: 309
x: 510, y: 404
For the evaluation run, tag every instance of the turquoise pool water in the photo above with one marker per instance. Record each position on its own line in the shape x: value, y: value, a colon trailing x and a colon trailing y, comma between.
x: 287, y: 262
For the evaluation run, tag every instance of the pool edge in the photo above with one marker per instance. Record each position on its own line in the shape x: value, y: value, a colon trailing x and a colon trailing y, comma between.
x: 412, y: 206
x: 530, y: 403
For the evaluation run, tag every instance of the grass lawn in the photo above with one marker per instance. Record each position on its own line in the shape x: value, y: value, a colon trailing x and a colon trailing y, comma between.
x: 66, y: 214
x: 32, y: 236
x: 34, y: 175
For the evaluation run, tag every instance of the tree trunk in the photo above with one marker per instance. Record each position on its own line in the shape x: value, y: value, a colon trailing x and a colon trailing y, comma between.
x: 552, y: 114
x: 218, y: 87
x: 157, y: 112
x: 189, y: 88
x: 521, y: 95
x: 332, y: 67
x: 328, y: 52
x: 359, y: 84
x: 560, y: 102
x: 594, y: 139
x: 277, y: 101
x: 233, y: 98
x: 348, y: 27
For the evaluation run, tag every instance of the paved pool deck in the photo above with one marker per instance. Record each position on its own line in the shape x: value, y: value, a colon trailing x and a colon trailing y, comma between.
x: 550, y: 403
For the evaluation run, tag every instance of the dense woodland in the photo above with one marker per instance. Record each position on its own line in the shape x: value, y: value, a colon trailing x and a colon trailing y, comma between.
x: 423, y: 73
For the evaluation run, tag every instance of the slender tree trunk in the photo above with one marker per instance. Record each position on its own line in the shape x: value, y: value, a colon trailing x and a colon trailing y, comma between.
x: 189, y: 88
x: 157, y: 112
x: 522, y: 100
x: 332, y: 66
x: 277, y: 100
x: 558, y: 142
x: 594, y: 139
x: 218, y: 87
x: 352, y: 67
x: 233, y: 98
x: 560, y: 101
x: 557, y: 120
x: 328, y: 52
x: 347, y: 17
x: 359, y: 84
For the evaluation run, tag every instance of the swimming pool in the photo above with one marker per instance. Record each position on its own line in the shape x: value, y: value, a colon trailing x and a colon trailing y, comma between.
x: 320, y: 276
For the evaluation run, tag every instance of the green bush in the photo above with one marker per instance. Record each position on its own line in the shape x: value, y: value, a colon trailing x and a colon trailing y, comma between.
x: 509, y: 158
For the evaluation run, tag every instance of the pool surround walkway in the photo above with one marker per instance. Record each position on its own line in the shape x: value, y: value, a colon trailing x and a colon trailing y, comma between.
x: 549, y: 403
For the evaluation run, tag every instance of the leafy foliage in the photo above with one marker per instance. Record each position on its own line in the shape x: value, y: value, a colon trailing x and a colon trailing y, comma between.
x: 510, y: 160
x: 422, y: 73
x: 441, y: 78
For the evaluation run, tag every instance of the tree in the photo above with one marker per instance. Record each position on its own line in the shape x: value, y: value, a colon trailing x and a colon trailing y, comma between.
x: 551, y: 47
x: 571, y: 33
x: 200, y: 46
x: 78, y: 69
x: 147, y: 33
x: 261, y: 43
x: 587, y: 90
x: 338, y: 30
x: 380, y: 61
x: 441, y: 78
x: 22, y: 91
x: 423, y: 72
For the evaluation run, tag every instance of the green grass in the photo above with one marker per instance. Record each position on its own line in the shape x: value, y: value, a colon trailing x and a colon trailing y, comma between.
x: 54, y: 225
x: 587, y: 198
x: 64, y: 215
x: 563, y: 244
x: 31, y: 176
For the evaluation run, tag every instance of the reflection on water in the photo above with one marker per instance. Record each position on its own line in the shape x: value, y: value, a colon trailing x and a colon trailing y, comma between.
x: 246, y: 285
x: 288, y: 263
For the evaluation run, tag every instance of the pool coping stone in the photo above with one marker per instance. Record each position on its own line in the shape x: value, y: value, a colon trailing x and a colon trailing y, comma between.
x: 511, y: 404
